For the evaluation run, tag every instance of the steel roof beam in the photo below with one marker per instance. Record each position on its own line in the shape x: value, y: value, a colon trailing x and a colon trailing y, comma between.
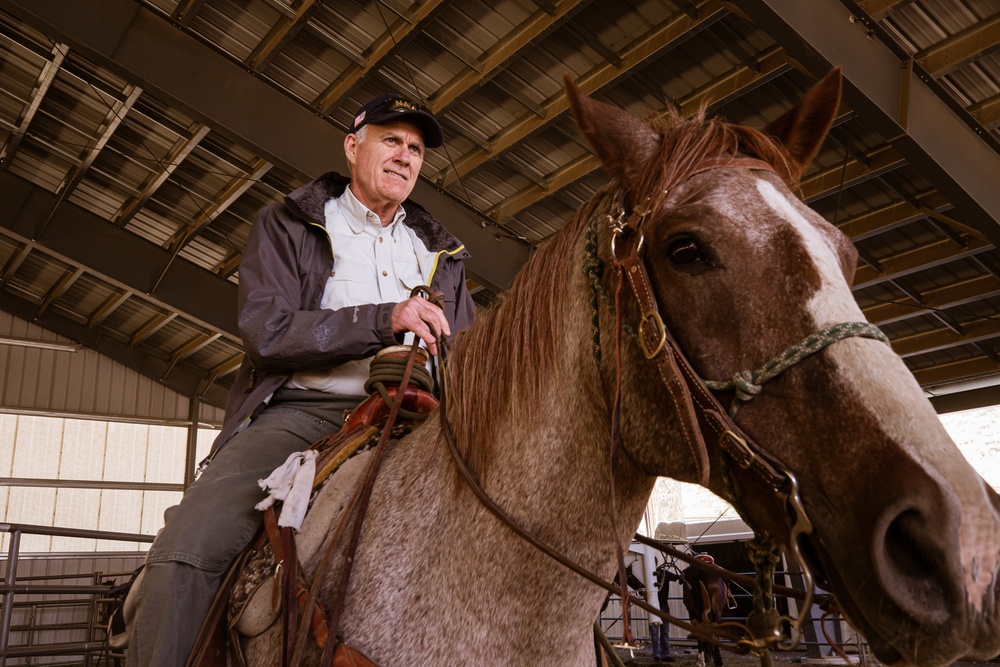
x: 499, y: 55
x: 110, y: 305
x: 178, y: 153
x: 186, y: 10
x: 881, y: 160
x: 220, y: 202
x: 192, y: 346
x: 384, y: 47
x: 663, y: 38
x: 954, y: 371
x: 62, y: 285
x: 943, y: 339
x: 13, y: 262
x: 738, y: 81
x: 879, y: 9
x: 280, y: 34
x: 987, y: 112
x: 917, y: 259
x: 45, y: 79
x: 137, y: 42
x: 177, y: 379
x: 960, y: 48
x: 942, y: 298
x: 151, y: 326
x: 890, y: 216
x: 893, y: 99
x: 116, y: 114
x: 118, y: 257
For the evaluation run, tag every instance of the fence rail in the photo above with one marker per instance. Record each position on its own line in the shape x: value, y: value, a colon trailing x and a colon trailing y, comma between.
x: 93, y: 646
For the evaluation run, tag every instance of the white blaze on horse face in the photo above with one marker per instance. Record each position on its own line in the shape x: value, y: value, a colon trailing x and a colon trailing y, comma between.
x: 886, y: 387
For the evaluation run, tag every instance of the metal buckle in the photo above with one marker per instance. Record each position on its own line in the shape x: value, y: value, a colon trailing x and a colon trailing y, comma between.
x: 618, y: 230
x: 660, y: 333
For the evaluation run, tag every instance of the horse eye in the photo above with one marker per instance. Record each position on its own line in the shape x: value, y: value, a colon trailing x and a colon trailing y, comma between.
x: 685, y: 251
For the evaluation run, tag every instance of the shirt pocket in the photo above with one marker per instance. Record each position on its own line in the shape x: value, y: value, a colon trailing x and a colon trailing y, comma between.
x: 408, y: 273
x: 351, y: 284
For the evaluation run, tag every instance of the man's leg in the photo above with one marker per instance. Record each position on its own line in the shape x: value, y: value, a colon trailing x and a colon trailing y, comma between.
x: 665, y: 643
x: 212, y: 524
x: 654, y: 639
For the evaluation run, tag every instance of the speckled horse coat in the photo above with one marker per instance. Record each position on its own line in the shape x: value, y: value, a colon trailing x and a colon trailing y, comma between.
x: 906, y: 534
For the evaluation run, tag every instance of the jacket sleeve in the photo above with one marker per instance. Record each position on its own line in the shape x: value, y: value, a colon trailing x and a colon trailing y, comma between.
x: 282, y: 273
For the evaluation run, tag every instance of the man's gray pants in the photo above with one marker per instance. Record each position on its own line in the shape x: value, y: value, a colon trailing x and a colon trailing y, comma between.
x: 214, y: 521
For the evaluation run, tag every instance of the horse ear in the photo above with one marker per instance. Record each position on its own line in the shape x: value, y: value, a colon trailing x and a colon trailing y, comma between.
x: 802, y: 128
x: 623, y: 142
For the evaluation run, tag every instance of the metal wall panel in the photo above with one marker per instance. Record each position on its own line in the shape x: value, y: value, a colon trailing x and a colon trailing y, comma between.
x: 82, y: 383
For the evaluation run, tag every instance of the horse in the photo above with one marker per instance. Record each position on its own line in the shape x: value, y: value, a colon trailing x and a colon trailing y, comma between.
x: 563, y: 392
x: 637, y: 589
x: 705, y: 595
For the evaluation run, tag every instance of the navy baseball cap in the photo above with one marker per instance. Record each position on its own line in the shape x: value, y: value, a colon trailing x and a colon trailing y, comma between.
x: 390, y: 107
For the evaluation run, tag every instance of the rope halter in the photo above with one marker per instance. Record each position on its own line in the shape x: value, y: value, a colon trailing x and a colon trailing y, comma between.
x: 747, y: 384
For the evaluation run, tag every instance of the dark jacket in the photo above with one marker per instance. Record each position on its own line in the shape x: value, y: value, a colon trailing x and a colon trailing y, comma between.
x: 284, y: 269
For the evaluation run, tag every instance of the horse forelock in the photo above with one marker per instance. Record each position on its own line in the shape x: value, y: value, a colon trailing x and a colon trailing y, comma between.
x: 686, y: 144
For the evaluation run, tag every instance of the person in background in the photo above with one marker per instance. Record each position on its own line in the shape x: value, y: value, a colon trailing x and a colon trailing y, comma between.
x: 659, y: 631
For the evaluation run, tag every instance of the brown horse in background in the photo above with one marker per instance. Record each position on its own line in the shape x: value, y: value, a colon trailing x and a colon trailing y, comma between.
x: 705, y: 595
x: 906, y: 534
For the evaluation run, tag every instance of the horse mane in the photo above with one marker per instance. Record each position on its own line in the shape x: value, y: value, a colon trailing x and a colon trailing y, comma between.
x: 508, y: 358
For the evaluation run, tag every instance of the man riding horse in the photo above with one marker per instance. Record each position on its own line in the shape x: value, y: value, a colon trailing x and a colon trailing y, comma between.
x: 325, y: 283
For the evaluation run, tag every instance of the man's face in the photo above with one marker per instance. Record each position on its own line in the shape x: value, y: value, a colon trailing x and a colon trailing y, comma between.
x: 385, y: 165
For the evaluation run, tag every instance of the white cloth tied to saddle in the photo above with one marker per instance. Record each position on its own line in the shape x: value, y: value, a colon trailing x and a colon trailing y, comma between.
x: 291, y: 482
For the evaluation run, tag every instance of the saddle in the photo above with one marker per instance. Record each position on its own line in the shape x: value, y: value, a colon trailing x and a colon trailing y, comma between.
x: 257, y: 588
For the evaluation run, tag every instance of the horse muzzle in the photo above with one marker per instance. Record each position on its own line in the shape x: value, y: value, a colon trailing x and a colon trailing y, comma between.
x: 935, y: 560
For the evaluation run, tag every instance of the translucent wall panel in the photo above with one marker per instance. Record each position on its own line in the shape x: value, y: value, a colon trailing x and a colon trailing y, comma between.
x: 52, y: 457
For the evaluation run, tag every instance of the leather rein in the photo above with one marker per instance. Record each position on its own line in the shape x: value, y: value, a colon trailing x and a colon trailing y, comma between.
x: 704, y: 419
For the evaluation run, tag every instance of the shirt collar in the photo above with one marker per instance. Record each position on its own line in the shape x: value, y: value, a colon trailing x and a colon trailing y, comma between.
x: 358, y: 215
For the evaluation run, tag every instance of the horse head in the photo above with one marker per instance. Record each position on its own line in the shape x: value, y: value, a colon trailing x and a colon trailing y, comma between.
x: 904, y: 532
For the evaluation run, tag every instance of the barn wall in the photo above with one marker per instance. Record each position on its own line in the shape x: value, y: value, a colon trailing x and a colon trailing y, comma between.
x: 84, y: 383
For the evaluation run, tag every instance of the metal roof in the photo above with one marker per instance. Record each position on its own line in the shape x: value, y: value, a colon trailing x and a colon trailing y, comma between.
x: 140, y: 137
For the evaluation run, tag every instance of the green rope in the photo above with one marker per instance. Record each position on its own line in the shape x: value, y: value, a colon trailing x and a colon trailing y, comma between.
x: 748, y: 383
x: 593, y: 268
x: 390, y: 369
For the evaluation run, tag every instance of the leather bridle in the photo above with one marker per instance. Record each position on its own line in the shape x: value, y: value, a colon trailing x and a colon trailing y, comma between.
x: 703, y: 418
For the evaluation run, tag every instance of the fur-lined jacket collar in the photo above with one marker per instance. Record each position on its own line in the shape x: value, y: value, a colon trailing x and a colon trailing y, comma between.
x: 308, y: 201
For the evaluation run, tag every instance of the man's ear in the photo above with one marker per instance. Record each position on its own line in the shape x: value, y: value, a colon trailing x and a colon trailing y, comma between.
x: 351, y: 147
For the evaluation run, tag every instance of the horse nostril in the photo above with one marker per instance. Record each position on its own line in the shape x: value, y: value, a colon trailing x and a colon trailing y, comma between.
x: 913, y: 567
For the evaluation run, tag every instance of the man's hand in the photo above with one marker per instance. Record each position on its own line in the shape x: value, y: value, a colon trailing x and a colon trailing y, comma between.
x: 423, y: 318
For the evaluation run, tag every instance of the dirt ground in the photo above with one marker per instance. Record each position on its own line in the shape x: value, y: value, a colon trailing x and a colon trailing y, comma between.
x: 687, y: 658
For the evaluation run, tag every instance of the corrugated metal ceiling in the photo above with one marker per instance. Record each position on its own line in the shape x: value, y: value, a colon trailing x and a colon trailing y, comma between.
x: 141, y: 136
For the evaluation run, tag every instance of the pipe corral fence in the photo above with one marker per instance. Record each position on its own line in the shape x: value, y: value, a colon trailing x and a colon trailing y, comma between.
x: 59, y: 618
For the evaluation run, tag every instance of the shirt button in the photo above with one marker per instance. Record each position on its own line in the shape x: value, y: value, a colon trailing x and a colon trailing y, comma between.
x: 333, y: 273
x: 385, y: 273
x: 380, y: 239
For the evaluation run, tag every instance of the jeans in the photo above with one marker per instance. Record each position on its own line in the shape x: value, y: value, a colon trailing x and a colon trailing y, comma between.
x: 659, y: 636
x: 214, y: 521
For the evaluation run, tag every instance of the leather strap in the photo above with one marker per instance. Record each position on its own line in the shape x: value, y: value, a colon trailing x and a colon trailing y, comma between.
x: 362, y: 509
x: 348, y: 656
